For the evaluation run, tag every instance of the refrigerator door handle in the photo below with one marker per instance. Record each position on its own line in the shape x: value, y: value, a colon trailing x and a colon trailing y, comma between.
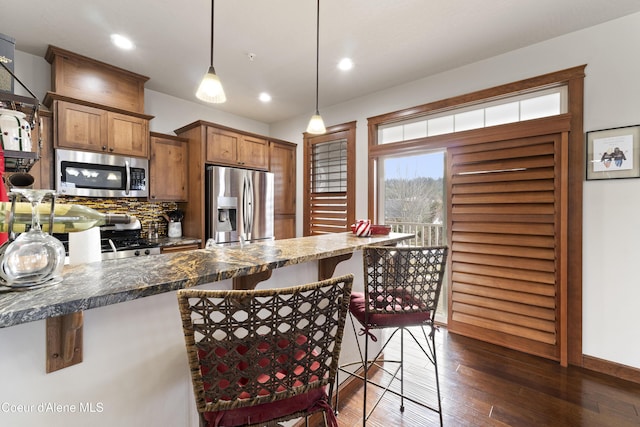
x: 247, y: 200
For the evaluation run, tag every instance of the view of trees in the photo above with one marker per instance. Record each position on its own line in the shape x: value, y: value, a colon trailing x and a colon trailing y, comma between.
x: 416, y: 200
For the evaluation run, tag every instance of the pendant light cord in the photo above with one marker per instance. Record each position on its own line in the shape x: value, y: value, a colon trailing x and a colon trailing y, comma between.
x: 212, y: 15
x: 317, y: 54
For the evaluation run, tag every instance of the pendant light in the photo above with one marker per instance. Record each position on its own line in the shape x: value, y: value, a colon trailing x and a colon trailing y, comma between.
x: 210, y: 89
x: 316, y: 124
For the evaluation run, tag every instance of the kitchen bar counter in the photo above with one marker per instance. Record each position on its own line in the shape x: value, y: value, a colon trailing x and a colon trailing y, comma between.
x: 104, y: 283
x: 168, y: 242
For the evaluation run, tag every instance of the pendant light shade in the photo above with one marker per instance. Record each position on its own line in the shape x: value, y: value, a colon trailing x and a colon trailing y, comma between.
x: 210, y: 89
x: 316, y: 124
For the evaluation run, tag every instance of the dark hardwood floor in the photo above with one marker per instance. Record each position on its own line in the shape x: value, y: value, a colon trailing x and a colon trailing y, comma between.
x: 486, y: 385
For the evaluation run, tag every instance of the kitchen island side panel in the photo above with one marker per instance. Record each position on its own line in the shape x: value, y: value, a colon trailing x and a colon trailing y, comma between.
x: 135, y: 369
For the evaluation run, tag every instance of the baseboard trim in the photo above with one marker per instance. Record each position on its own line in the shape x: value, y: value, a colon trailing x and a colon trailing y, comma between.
x: 611, y: 368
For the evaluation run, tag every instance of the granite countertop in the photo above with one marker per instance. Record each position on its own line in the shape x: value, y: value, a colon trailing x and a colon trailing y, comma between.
x: 177, y: 241
x: 103, y: 283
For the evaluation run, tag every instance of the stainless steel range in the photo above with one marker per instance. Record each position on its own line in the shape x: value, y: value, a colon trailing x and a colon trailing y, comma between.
x: 116, y: 243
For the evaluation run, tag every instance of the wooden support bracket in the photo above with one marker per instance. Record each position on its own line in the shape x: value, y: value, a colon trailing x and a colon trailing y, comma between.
x: 64, y: 341
x: 251, y: 281
x: 327, y: 266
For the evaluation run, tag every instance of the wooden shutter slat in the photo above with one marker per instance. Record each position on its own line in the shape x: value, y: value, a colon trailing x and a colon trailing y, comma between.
x: 506, y: 306
x: 516, y: 175
x: 505, y: 239
x: 504, y: 261
x: 517, y: 228
x: 339, y: 215
x: 539, y: 336
x: 516, y: 251
x: 504, y: 165
x: 508, y: 273
x: 508, y: 317
x: 516, y: 149
x: 521, y: 197
x: 506, y: 209
x: 505, y: 295
x: 537, y: 288
x: 503, y: 187
x: 322, y: 229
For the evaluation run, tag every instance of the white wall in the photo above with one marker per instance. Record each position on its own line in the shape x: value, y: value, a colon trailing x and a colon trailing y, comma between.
x: 612, y: 98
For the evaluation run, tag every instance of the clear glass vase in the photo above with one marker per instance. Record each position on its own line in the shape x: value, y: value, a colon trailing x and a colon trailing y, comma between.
x: 34, y: 258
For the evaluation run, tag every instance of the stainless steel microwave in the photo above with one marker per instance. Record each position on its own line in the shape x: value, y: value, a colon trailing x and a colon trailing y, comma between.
x: 83, y: 173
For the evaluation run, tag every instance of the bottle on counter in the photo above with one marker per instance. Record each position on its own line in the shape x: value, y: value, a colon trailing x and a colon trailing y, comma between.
x: 67, y: 217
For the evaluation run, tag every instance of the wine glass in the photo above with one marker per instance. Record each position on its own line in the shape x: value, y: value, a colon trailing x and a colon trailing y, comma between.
x: 34, y: 258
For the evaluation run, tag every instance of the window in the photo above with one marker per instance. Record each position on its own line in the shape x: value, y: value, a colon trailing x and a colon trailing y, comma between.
x: 329, y: 180
x: 510, y: 109
x: 329, y: 166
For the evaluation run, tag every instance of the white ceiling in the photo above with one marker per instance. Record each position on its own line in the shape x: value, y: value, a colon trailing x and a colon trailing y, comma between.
x: 391, y: 42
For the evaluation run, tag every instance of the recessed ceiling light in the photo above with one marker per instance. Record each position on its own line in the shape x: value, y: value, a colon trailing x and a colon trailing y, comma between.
x: 345, y: 64
x: 122, y: 42
x: 265, y: 97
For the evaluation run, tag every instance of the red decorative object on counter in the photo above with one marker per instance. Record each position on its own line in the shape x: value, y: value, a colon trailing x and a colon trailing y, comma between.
x: 374, y: 229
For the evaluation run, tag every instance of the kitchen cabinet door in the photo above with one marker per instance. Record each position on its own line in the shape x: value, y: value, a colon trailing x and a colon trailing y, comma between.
x: 222, y: 146
x: 89, y: 128
x: 235, y: 149
x: 282, y: 162
x: 168, y: 168
x: 253, y: 152
x: 127, y: 135
x: 80, y: 126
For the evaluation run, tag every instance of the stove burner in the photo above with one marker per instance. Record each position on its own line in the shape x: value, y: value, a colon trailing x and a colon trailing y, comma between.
x: 127, y: 243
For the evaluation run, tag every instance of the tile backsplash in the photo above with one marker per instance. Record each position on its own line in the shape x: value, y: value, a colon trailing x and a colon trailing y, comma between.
x: 145, y: 211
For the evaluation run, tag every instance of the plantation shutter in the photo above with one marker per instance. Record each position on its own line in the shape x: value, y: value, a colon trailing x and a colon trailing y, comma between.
x: 507, y: 226
x: 328, y: 199
x: 329, y: 181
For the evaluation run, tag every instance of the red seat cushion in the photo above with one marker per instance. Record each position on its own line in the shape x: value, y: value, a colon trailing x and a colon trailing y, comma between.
x: 395, y: 316
x: 269, y: 411
x: 308, y: 402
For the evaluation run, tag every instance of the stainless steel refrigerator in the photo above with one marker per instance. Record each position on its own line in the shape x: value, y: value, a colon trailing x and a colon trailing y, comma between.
x: 238, y: 205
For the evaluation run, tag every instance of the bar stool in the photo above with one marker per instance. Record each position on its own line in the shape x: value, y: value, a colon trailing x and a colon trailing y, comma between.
x: 263, y: 356
x: 402, y: 290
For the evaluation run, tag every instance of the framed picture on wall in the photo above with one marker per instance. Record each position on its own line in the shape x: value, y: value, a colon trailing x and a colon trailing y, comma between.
x: 613, y: 153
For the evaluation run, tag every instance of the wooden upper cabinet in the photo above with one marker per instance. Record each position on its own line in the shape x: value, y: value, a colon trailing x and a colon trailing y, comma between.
x: 96, y: 106
x: 127, y: 135
x: 222, y: 146
x: 253, y: 152
x: 235, y: 149
x: 79, y: 77
x: 80, y: 126
x: 87, y: 127
x: 168, y: 168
